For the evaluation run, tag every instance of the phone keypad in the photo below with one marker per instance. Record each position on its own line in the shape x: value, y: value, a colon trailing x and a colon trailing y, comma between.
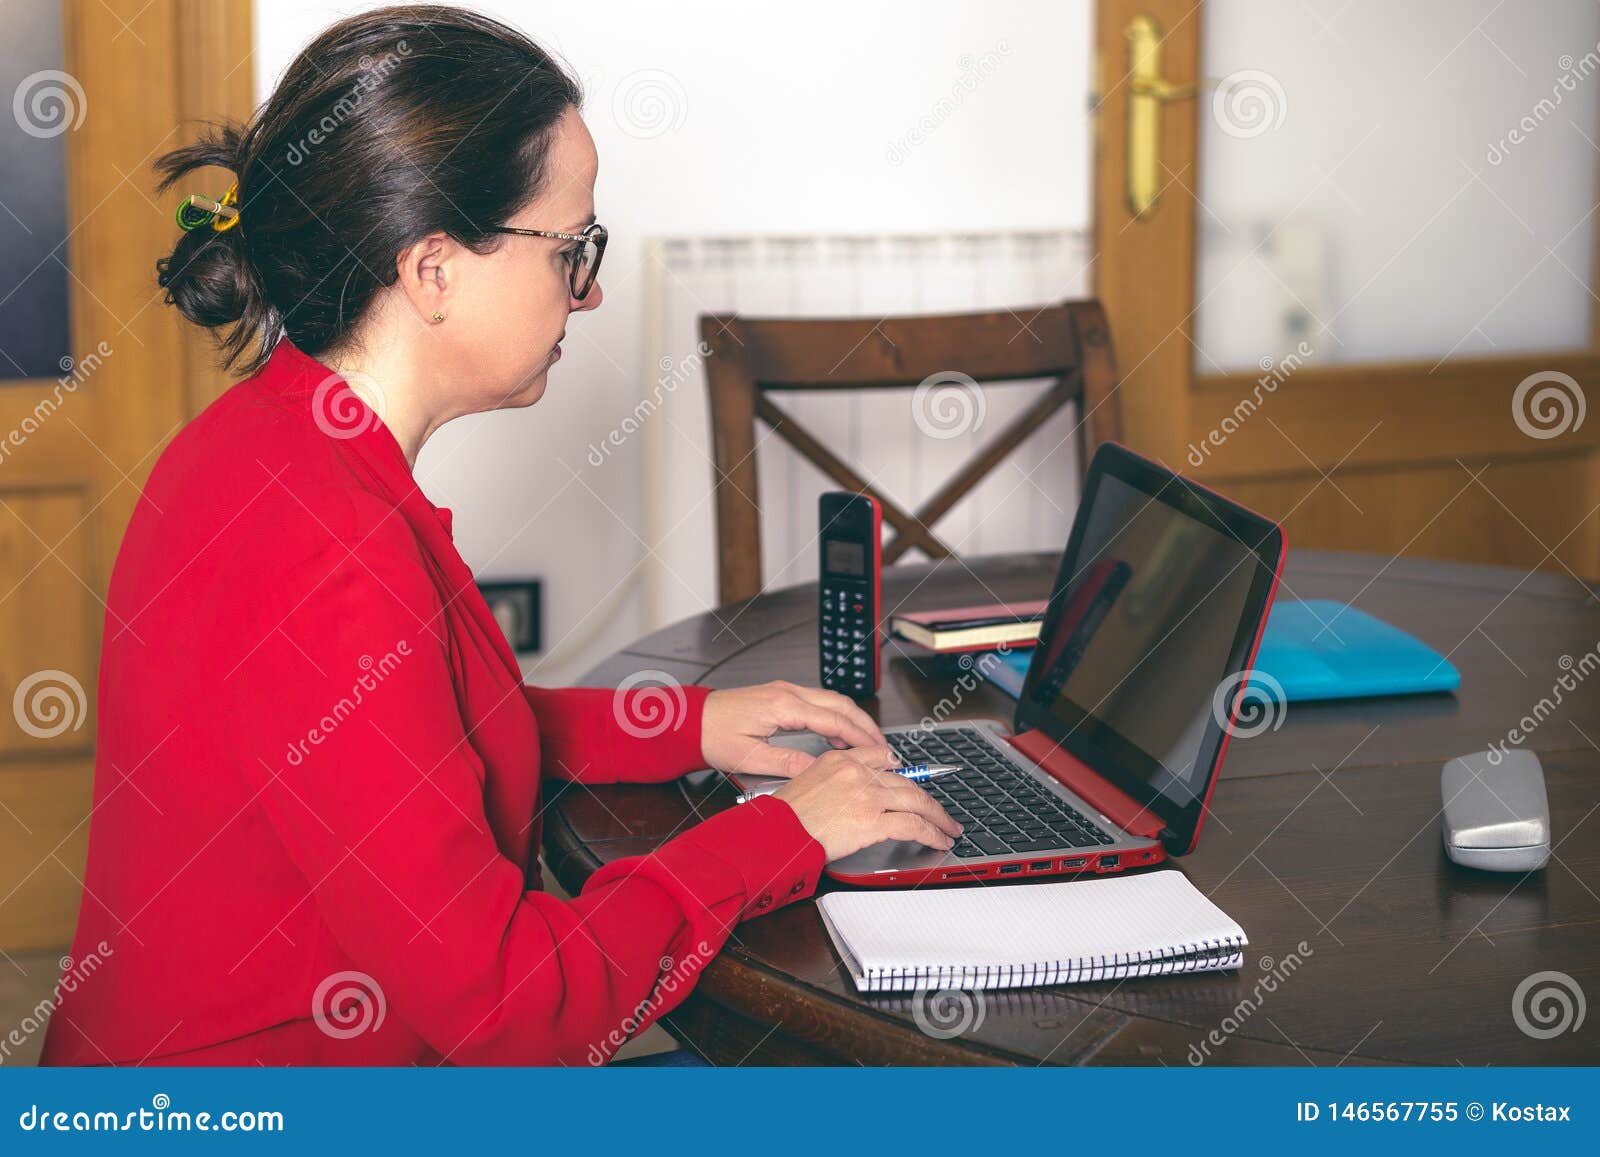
x: 845, y: 640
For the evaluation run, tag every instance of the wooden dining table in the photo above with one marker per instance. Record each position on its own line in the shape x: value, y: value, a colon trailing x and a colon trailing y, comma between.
x: 1366, y: 944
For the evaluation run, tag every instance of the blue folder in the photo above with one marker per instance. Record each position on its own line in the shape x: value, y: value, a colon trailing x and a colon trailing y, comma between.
x: 1313, y: 649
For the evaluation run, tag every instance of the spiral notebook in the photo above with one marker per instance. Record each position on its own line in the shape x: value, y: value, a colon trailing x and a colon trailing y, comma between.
x: 1018, y: 935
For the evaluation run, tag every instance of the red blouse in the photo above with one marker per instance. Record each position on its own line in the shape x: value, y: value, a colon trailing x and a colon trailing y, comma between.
x: 317, y: 783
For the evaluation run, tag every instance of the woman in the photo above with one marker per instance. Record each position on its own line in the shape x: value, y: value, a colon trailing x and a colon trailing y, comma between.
x: 318, y: 786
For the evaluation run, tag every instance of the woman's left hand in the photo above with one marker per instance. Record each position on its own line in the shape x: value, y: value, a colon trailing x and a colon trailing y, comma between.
x: 738, y: 722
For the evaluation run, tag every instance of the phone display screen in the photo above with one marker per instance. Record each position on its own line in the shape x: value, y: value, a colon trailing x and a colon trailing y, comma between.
x: 844, y: 558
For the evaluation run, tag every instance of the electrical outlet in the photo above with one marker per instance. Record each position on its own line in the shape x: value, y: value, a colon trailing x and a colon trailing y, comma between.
x: 516, y: 605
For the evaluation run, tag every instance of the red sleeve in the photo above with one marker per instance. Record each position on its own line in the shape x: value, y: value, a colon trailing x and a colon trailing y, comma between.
x: 648, y: 733
x: 385, y: 819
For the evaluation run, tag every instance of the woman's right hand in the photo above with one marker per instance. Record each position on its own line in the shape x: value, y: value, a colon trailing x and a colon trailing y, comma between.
x: 847, y: 801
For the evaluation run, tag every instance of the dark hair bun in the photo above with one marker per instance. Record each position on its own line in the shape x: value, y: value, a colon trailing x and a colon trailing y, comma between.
x: 207, y: 275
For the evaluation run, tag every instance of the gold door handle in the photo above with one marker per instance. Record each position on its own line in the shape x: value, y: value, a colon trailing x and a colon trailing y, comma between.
x: 1148, y: 90
x: 1160, y: 89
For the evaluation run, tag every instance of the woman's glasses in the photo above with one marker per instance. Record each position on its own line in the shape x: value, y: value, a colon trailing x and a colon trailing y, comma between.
x: 583, y: 260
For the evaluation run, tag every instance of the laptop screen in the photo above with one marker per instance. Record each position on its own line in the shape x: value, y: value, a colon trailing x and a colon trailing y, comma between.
x: 1159, y: 597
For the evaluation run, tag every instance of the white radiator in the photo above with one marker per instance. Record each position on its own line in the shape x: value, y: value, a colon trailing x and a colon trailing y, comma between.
x: 1026, y: 503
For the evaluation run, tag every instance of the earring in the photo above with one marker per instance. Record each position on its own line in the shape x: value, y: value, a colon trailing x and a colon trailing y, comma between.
x: 437, y: 317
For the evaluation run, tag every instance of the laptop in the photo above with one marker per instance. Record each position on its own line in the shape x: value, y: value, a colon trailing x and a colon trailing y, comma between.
x: 1152, y: 624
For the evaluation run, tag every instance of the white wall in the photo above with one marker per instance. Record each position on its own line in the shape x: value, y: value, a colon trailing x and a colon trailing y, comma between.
x: 778, y: 118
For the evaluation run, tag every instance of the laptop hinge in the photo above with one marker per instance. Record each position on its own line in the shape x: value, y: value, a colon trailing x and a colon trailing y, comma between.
x: 1117, y: 805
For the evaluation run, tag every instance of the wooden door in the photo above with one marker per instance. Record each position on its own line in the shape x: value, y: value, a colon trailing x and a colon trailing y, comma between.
x: 76, y: 446
x: 1461, y: 453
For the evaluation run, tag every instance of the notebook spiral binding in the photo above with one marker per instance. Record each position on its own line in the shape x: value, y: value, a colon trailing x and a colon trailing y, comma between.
x: 1203, y: 955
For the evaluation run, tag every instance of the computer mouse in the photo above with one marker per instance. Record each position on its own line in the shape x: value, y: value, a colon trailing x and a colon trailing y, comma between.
x: 1496, y: 813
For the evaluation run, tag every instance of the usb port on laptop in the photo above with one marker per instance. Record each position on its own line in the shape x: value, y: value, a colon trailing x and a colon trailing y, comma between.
x: 1010, y: 869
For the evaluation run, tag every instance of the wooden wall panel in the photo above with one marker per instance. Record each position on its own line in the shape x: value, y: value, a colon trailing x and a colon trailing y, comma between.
x: 1518, y: 509
x: 48, y: 619
x: 45, y: 806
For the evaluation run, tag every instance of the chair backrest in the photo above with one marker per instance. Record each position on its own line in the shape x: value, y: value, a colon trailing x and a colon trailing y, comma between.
x: 1069, y: 342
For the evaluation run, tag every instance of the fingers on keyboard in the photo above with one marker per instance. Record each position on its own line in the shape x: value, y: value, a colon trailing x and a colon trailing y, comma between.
x: 1002, y: 809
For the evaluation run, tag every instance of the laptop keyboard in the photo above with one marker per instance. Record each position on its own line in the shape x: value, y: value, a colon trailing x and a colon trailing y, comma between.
x: 1002, y: 808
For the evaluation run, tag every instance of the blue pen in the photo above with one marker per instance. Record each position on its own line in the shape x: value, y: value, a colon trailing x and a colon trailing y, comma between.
x: 916, y: 773
x: 919, y: 772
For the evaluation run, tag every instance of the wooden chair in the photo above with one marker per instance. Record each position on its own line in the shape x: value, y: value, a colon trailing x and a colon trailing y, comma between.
x: 1069, y: 342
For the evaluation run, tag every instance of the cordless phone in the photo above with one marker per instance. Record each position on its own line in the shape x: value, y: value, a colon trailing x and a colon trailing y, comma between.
x: 850, y: 592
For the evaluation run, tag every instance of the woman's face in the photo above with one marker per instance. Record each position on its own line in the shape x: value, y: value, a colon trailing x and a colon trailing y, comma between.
x: 509, y: 312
